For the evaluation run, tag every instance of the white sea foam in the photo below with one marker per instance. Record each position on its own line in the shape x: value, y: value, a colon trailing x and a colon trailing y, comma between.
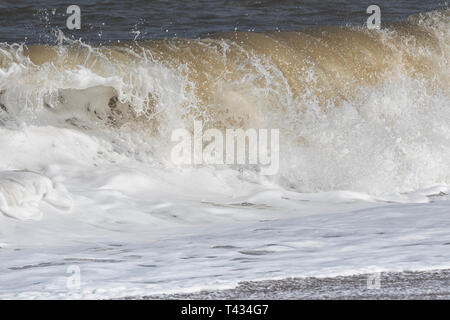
x: 22, y: 191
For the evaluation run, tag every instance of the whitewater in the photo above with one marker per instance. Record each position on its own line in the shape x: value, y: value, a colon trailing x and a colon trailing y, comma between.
x: 87, y: 181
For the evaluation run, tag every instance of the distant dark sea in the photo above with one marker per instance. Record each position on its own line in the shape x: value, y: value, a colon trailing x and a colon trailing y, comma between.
x: 35, y: 21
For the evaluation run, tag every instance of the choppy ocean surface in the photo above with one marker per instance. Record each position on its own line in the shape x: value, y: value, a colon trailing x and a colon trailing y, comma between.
x: 91, y: 205
x: 110, y: 20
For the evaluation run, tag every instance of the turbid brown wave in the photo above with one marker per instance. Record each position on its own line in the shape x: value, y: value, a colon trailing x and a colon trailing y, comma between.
x: 240, y: 78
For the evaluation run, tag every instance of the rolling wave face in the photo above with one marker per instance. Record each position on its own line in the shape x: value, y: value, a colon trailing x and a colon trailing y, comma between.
x: 357, y: 109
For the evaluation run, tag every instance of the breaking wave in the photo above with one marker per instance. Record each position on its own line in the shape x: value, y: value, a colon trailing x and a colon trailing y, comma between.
x: 357, y: 109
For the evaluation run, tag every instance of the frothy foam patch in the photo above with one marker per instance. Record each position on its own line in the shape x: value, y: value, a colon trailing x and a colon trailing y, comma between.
x: 21, y: 194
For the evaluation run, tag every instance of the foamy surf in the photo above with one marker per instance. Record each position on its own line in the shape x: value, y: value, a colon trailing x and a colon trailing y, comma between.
x: 22, y: 191
x: 364, y: 149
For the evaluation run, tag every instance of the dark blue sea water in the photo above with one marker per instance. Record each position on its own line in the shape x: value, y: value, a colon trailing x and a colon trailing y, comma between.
x: 35, y: 21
